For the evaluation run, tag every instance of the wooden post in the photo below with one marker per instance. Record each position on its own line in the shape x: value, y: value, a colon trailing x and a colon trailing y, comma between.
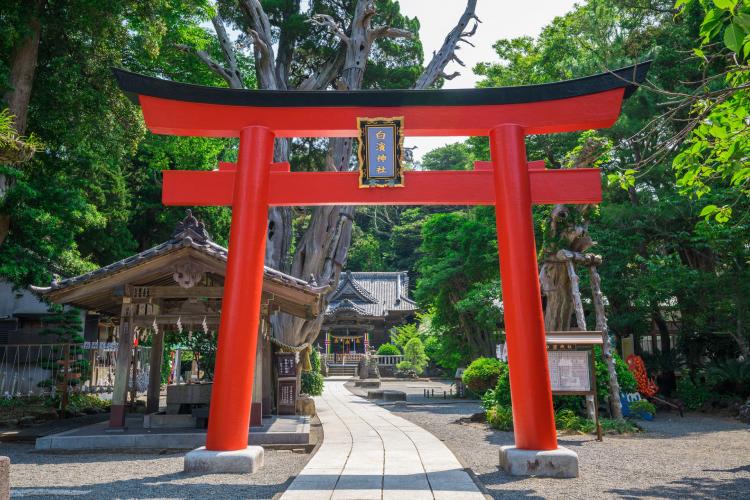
x: 65, y: 386
x: 601, y: 325
x: 124, y: 353
x: 154, y: 377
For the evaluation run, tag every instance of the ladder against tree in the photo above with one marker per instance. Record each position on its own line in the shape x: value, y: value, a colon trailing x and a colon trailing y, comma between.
x: 255, y: 183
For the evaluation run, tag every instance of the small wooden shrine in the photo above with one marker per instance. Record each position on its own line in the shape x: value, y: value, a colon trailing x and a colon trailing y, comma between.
x: 177, y: 284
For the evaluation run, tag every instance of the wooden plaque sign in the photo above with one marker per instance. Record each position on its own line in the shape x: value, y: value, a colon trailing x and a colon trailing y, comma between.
x: 286, y: 365
x: 380, y: 152
x: 287, y: 401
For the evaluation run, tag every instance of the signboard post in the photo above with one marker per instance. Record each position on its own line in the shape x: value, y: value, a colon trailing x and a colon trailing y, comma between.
x: 286, y: 386
x: 571, y: 366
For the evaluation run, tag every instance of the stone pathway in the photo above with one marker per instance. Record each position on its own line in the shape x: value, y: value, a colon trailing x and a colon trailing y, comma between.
x: 368, y: 452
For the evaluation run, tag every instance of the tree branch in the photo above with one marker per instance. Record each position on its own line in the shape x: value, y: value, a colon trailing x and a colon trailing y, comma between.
x: 388, y: 32
x: 323, y: 77
x: 446, y: 54
x: 259, y: 29
x: 211, y: 63
x: 235, y: 80
x: 327, y: 21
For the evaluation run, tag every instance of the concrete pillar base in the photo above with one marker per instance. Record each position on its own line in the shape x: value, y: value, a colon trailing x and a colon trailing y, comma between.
x: 560, y: 463
x: 4, y: 478
x: 206, y: 461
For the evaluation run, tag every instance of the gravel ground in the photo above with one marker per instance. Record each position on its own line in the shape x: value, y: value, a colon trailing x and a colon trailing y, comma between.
x: 141, y: 475
x: 692, y: 457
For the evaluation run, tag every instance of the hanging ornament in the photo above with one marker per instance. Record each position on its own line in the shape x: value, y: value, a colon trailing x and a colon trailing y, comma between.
x: 204, y: 324
x: 179, y: 325
x: 156, y: 327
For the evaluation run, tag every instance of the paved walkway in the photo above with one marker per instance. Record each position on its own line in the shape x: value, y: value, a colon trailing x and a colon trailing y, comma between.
x: 368, y: 452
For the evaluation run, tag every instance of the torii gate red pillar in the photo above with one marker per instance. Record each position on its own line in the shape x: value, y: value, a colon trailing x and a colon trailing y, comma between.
x: 231, y: 397
x: 509, y: 183
x: 533, y: 417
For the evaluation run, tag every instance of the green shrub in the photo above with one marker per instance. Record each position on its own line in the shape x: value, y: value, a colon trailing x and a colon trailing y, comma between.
x: 414, y: 357
x: 312, y: 381
x: 500, y: 395
x: 388, y: 350
x: 643, y: 406
x: 482, y: 374
x: 315, y: 360
x: 500, y: 418
x: 692, y: 395
x: 625, y: 377
x: 730, y: 377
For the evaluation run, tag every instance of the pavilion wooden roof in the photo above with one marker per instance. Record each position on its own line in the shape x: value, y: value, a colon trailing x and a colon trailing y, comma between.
x: 101, y: 290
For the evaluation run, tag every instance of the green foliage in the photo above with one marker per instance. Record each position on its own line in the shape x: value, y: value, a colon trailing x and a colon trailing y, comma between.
x: 196, y: 345
x: 312, y: 381
x: 315, y: 362
x: 401, y: 335
x: 388, y: 350
x: 65, y: 325
x: 643, y: 406
x: 693, y: 395
x: 624, y: 376
x: 482, y: 374
x: 731, y: 377
x: 78, y: 402
x: 454, y: 156
x: 500, y: 394
x: 415, y: 358
x: 500, y: 417
x: 715, y: 153
x: 14, y: 148
x: 458, y: 280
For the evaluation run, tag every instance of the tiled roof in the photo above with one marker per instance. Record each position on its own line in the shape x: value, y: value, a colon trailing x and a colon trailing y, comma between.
x: 371, y: 294
x: 188, y: 233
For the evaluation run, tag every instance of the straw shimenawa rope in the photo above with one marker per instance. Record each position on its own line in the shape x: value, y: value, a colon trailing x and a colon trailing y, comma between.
x: 304, y: 349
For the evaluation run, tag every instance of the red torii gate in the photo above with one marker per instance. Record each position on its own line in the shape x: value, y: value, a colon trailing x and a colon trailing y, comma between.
x: 257, y: 117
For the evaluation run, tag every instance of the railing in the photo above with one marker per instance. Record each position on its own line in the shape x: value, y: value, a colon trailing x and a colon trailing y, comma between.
x: 389, y: 360
x: 353, y: 358
x: 42, y: 369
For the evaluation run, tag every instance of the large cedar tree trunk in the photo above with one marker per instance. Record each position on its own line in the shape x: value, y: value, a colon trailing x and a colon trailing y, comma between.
x: 23, y: 61
x: 322, y: 250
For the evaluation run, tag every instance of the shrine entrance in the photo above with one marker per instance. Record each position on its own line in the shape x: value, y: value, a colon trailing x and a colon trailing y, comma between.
x: 509, y: 182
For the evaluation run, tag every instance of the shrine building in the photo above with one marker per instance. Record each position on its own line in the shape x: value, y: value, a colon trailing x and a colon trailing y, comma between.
x: 177, y: 285
x: 362, y: 310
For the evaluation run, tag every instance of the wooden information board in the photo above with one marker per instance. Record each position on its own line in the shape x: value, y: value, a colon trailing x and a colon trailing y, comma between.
x: 570, y: 371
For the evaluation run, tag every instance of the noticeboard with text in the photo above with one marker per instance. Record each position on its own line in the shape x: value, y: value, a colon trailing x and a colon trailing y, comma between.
x: 380, y: 152
x: 570, y: 371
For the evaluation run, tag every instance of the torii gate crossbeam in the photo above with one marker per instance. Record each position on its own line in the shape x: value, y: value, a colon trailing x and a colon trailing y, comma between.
x: 508, y: 182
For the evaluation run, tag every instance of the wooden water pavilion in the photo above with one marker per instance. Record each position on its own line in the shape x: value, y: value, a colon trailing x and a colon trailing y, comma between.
x: 178, y: 284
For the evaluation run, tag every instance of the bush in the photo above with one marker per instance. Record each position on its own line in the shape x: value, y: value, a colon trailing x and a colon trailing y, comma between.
x: 625, y: 377
x: 482, y: 374
x: 314, y: 360
x: 692, y: 395
x: 414, y: 357
x: 730, y: 377
x: 500, y: 418
x: 500, y: 395
x: 388, y: 350
x: 312, y: 381
x: 642, y: 406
